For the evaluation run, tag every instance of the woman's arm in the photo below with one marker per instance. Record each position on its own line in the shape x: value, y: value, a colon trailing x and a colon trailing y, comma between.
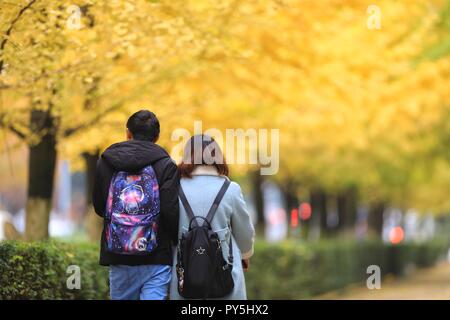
x: 241, y: 224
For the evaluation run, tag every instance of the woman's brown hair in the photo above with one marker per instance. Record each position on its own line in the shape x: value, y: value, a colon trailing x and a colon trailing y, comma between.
x: 202, y: 149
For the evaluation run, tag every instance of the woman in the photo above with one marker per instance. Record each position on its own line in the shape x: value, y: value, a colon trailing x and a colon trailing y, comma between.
x: 203, y: 170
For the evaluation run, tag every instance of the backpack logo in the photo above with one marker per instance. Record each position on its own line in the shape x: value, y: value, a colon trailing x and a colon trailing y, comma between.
x: 131, y: 197
x: 141, y: 244
x: 200, y: 251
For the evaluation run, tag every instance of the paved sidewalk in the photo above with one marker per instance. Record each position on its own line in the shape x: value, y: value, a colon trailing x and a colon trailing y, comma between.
x: 429, y: 284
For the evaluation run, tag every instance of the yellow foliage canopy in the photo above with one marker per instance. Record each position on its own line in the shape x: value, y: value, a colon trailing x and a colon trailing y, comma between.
x: 355, y: 106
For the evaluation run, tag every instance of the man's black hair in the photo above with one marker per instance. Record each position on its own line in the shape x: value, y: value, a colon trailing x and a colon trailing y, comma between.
x: 144, y: 125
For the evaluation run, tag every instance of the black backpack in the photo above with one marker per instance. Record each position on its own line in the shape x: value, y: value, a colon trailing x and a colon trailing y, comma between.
x: 201, y: 269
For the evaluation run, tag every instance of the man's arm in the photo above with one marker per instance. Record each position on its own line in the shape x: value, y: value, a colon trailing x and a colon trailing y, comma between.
x: 168, y: 196
x: 103, y: 175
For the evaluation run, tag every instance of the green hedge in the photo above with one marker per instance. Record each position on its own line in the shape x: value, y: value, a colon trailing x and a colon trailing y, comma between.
x: 289, y: 270
x: 39, y: 271
x: 293, y: 271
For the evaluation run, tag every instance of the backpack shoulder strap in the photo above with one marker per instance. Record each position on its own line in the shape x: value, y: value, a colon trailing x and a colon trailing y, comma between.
x: 186, y: 206
x: 215, y: 205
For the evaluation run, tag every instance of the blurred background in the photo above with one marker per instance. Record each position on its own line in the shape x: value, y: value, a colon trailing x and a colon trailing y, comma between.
x: 360, y: 91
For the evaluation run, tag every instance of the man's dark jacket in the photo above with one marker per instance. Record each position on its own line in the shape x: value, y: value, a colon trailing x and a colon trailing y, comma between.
x: 131, y: 156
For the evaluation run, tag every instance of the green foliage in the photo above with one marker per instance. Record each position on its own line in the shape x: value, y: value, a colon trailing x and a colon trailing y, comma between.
x: 294, y: 270
x: 436, y: 51
x: 441, y: 46
x: 39, y: 271
x: 278, y: 271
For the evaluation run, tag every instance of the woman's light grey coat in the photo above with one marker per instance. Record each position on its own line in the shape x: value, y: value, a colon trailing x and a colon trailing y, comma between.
x: 231, y: 219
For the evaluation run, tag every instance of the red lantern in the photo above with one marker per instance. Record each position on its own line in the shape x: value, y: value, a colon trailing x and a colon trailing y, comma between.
x: 305, y: 211
x: 396, y: 235
x: 294, y: 218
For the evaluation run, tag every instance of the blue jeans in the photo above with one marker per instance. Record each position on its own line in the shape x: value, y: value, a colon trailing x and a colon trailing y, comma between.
x: 147, y: 282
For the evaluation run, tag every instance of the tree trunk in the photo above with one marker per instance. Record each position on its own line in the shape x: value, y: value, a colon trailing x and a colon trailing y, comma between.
x: 342, y: 211
x: 11, y: 232
x: 41, y: 171
x: 290, y: 196
x: 318, y: 202
x: 93, y: 223
x: 376, y: 212
x: 346, y: 203
x: 258, y: 198
x: 291, y: 202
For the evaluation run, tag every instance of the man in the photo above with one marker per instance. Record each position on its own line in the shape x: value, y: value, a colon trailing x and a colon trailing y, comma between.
x: 136, y: 192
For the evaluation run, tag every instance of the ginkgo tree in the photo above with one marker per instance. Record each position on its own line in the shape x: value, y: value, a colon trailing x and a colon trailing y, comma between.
x: 360, y: 110
x: 70, y: 65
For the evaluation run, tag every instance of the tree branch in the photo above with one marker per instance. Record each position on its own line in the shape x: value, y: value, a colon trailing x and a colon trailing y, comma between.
x: 9, y: 30
x: 70, y: 131
x: 11, y: 128
x: 44, y: 74
x: 94, y: 120
x: 18, y: 133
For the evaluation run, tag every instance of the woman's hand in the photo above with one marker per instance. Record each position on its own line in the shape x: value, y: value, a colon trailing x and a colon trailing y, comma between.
x: 245, y: 264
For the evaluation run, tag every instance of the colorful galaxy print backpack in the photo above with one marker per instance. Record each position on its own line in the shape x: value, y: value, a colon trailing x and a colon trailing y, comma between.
x: 132, y: 212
